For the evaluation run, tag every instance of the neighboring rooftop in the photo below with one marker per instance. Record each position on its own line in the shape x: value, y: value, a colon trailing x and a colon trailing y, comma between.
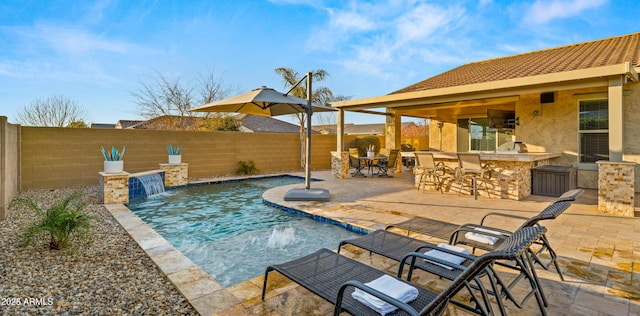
x: 127, y: 123
x: 250, y: 124
x: 604, y: 52
x: 263, y: 124
x: 357, y: 129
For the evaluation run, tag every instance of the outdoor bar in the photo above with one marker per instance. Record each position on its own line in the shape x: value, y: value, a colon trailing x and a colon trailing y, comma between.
x: 512, y: 174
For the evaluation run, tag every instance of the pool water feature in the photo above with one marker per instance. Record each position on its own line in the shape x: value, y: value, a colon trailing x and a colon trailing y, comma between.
x: 152, y: 183
x: 227, y: 230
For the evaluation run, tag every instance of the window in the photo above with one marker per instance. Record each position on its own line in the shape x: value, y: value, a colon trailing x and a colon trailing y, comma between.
x: 476, y: 134
x: 594, y: 130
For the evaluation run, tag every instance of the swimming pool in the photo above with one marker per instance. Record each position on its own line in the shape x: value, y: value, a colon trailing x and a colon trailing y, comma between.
x: 227, y: 230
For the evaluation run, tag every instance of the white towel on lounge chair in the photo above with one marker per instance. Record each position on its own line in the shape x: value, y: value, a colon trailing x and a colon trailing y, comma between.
x: 446, y: 256
x: 485, y: 239
x: 389, y: 286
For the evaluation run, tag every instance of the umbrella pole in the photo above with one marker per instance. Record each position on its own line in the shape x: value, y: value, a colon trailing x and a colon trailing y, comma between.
x: 307, y: 194
x: 307, y: 158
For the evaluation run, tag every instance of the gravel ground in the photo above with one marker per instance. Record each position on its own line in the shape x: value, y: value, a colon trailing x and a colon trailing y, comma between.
x: 109, y: 275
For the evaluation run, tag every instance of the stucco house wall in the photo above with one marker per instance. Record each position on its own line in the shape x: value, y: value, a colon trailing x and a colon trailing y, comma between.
x: 553, y: 127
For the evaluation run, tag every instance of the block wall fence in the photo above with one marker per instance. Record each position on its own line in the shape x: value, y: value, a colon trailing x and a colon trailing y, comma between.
x: 9, y: 163
x: 52, y: 157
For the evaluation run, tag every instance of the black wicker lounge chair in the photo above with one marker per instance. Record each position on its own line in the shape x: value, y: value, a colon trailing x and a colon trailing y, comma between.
x: 334, y: 277
x: 456, y: 234
x: 395, y: 246
x: 459, y: 236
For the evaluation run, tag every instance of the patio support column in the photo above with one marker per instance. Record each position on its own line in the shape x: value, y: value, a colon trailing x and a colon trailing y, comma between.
x: 340, y: 157
x: 393, y: 133
x: 393, y: 130
x: 616, y: 119
x: 340, y: 131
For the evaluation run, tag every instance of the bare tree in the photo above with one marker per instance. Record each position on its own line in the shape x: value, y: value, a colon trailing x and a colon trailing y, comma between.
x: 171, y: 97
x: 319, y: 95
x: 56, y: 111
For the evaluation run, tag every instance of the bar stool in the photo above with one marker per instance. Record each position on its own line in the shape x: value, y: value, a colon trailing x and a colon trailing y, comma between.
x: 428, y: 170
x: 471, y: 168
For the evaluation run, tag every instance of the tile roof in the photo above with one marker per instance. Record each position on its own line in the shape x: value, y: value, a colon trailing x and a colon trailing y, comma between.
x: 127, y: 123
x: 604, y: 52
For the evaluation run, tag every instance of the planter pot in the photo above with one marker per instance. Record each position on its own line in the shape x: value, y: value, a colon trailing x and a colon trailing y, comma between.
x: 371, y: 154
x: 175, y: 158
x: 116, y: 166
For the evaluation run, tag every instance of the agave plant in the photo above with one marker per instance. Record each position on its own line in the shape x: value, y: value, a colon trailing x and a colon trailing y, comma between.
x: 174, y: 150
x: 113, y: 155
x: 63, y: 222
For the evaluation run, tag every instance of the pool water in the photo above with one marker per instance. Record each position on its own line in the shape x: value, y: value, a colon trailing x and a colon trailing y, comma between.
x: 227, y: 230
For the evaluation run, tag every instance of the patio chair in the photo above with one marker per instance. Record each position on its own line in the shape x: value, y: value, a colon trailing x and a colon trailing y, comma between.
x: 354, y: 162
x: 385, y: 164
x: 335, y: 277
x: 429, y: 171
x: 470, y: 168
x: 396, y: 247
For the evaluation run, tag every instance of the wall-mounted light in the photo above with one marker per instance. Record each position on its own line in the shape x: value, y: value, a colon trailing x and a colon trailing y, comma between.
x: 536, y: 113
x: 514, y: 122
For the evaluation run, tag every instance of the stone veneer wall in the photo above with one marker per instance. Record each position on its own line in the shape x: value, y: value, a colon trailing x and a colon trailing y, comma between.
x: 340, y: 164
x: 114, y: 187
x: 175, y: 174
x: 509, y: 180
x: 616, y: 187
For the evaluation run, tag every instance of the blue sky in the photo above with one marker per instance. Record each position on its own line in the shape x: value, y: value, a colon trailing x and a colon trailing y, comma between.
x: 98, y: 52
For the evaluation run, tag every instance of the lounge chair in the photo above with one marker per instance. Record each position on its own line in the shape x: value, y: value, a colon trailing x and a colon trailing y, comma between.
x: 550, y: 212
x: 457, y: 234
x: 335, y: 277
x: 395, y: 246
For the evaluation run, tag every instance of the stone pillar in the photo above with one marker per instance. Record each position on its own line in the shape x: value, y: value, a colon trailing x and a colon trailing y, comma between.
x: 616, y: 188
x: 175, y: 174
x: 340, y: 164
x: 115, y: 187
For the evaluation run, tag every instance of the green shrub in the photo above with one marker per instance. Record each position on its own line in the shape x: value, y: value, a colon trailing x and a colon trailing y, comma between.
x: 362, y: 143
x: 62, y: 223
x: 246, y: 167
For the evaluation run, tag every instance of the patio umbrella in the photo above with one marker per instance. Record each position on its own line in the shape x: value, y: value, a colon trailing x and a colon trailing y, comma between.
x: 262, y: 101
x: 269, y: 102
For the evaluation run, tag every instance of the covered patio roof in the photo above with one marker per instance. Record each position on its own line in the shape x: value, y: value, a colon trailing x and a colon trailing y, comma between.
x: 502, y: 80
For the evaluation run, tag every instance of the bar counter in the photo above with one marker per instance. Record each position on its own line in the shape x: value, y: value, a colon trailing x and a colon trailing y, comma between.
x: 511, y: 178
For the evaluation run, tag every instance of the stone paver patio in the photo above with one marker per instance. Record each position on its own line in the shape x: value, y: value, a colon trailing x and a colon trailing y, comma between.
x: 599, y: 254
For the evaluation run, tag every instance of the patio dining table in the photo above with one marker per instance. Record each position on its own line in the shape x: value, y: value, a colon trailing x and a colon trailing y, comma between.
x: 369, y: 162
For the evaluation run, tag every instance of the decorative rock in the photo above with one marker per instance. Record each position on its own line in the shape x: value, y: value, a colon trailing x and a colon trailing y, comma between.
x: 110, y: 275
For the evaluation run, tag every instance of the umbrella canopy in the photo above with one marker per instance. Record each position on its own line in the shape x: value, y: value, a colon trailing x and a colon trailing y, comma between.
x: 268, y: 102
x: 262, y: 101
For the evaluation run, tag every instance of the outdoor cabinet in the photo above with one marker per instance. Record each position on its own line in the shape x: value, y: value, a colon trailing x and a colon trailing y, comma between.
x: 552, y: 180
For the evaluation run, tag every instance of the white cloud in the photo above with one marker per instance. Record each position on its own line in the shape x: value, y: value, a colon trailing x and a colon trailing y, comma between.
x: 426, y: 20
x: 375, y: 38
x: 76, y: 41
x: 349, y: 21
x: 543, y: 11
x: 67, y: 54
